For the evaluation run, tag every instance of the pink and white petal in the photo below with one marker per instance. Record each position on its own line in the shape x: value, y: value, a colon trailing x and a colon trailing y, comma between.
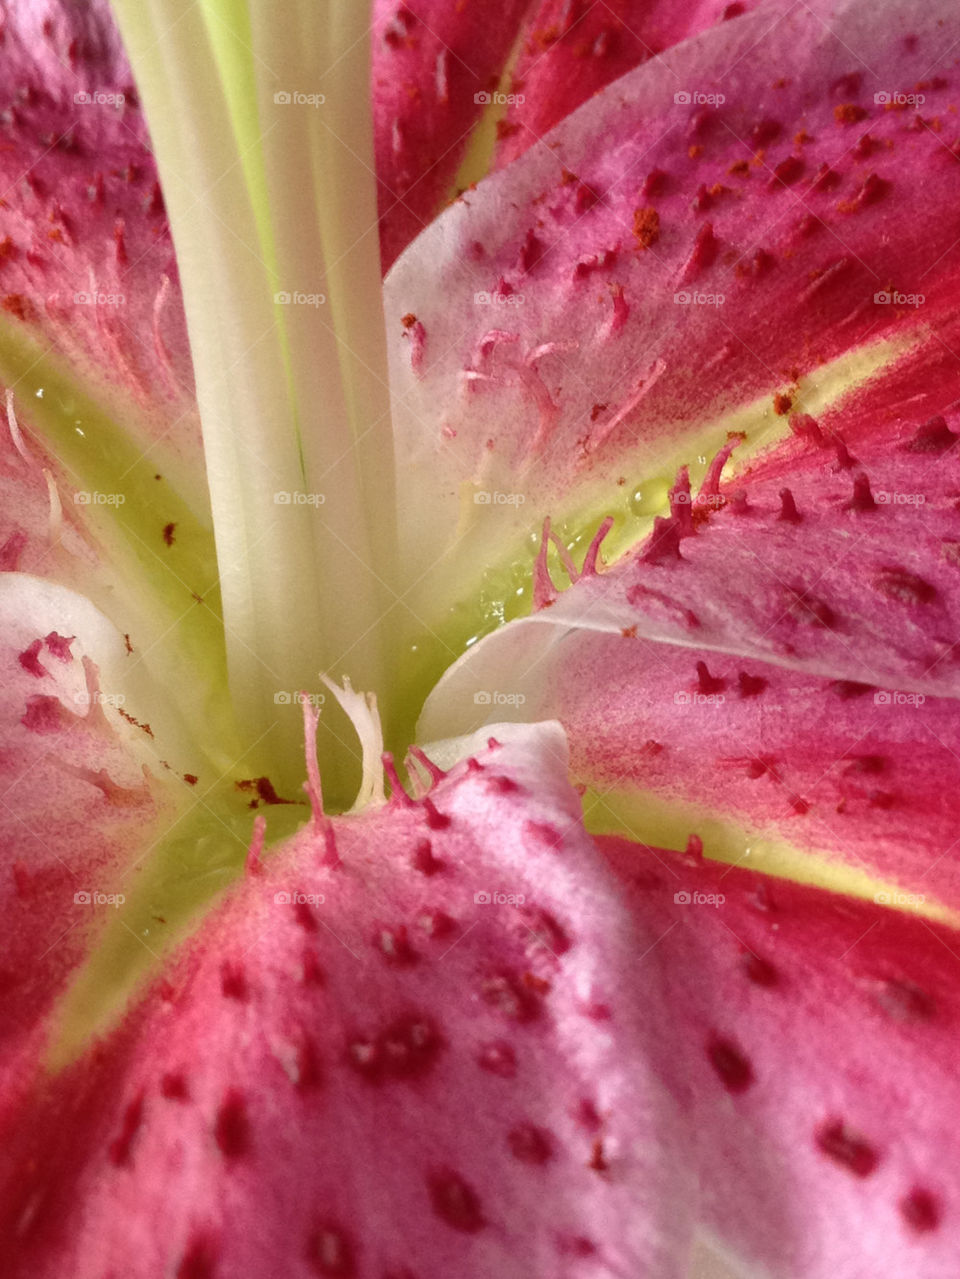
x: 818, y: 1047
x: 770, y: 668
x: 77, y: 805
x: 573, y: 325
x: 409, y: 1045
x: 571, y: 51
x: 86, y: 258
x: 432, y: 64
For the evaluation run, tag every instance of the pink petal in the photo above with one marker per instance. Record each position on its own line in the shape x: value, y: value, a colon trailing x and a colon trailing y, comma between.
x: 571, y: 51
x: 86, y: 259
x: 788, y: 667
x: 431, y: 60
x: 362, y: 1067
x: 529, y: 382
x: 77, y: 807
x: 816, y: 1045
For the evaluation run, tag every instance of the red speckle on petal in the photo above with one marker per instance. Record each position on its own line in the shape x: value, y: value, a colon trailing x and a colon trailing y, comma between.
x: 498, y: 1058
x: 455, y: 1201
x: 862, y: 499
x: 394, y: 945
x: 59, y: 646
x: 735, y: 1071
x: 513, y: 1000
x: 530, y: 1144
x: 331, y: 1254
x: 173, y: 1086
x: 30, y: 660
x: 199, y: 1261
x: 44, y: 714
x: 847, y: 1148
x: 787, y: 172
x: 921, y: 1210
x: 232, y: 1127
x: 906, y: 588
x: 760, y: 971
x: 933, y: 437
x: 751, y: 685
x: 132, y: 1118
x: 848, y: 113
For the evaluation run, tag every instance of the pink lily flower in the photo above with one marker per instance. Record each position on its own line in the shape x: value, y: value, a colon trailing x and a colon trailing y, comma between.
x: 478, y: 743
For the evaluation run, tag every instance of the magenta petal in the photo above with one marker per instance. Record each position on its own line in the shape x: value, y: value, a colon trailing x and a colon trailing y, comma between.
x: 571, y: 51
x: 77, y: 808
x: 86, y: 259
x: 786, y: 666
x: 818, y: 1059
x: 390, y: 1065
x: 434, y: 64
x: 569, y: 351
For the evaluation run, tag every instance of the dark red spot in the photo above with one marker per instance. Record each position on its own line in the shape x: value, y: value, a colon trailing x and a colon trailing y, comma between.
x: 498, y: 1058
x: 707, y: 683
x: 168, y: 532
x: 530, y: 1144
x: 59, y: 646
x: 44, y: 714
x: 509, y: 997
x: 455, y: 1201
x: 233, y: 981
x: 531, y: 252
x: 733, y: 10
x: 541, y: 929
x: 664, y: 544
x: 847, y: 1148
x: 787, y: 171
x: 874, y: 188
x: 436, y: 923
x: 705, y: 249
x: 199, y: 1261
x: 598, y: 1160
x: 311, y: 972
x: 807, y: 608
x: 29, y: 659
x: 933, y: 437
x: 866, y: 764
x: 406, y: 1049
x: 330, y: 1253
x: 394, y: 945
x: 906, y: 588
x: 655, y: 183
x: 735, y: 1071
x: 862, y: 499
x: 765, y: 132
x: 904, y: 1001
x: 435, y: 820
x: 921, y: 1210
x: 173, y: 1086
x: 751, y: 685
x: 11, y: 551
x: 423, y: 859
x: 760, y: 971
x: 788, y: 508
x: 304, y: 917
x: 848, y: 689
x: 844, y: 459
x: 132, y: 1118
x: 825, y: 178
x: 232, y: 1128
